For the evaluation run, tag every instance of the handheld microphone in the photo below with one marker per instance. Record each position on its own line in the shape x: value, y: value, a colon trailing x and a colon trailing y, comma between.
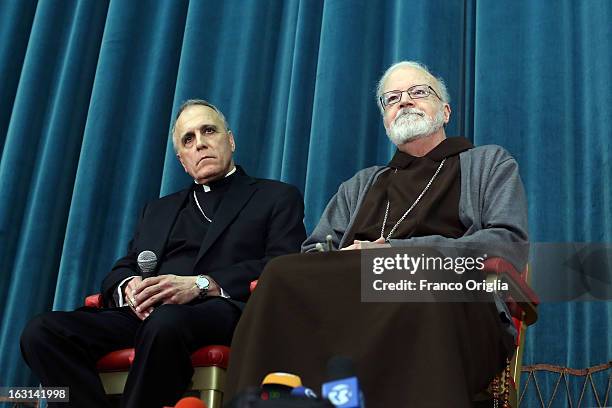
x: 147, y: 261
x: 342, y: 389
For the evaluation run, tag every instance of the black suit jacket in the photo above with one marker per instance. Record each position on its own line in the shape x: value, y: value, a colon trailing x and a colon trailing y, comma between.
x: 257, y: 220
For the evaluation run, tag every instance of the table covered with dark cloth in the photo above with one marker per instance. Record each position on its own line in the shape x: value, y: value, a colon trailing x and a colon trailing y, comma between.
x: 307, y: 308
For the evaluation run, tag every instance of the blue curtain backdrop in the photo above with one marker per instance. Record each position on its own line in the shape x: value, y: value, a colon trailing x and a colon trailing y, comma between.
x: 88, y: 89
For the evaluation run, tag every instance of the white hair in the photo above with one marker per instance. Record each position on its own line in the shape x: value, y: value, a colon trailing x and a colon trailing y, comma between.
x: 439, y: 84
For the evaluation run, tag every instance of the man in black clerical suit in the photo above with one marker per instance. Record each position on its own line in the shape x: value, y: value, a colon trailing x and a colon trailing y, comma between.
x: 211, y: 240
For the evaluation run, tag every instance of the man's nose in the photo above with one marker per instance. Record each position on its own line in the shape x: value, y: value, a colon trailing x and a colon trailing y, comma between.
x: 200, y: 141
x: 405, y: 100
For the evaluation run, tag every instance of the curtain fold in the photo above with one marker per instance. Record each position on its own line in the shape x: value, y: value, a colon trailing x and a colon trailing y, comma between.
x: 17, y: 19
x: 88, y: 90
x: 39, y: 160
x: 123, y: 142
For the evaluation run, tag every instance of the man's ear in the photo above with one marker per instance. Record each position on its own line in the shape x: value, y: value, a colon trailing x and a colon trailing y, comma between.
x: 231, y: 140
x: 447, y: 113
x: 180, y: 159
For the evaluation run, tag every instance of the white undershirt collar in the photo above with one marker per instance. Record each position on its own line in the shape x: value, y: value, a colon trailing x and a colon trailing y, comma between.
x: 206, y: 187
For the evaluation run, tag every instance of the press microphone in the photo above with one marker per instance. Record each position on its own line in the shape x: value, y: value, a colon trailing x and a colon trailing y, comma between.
x: 303, y: 392
x: 330, y: 245
x: 251, y: 398
x: 342, y: 389
x: 147, y: 261
x: 190, y: 402
x: 278, y: 385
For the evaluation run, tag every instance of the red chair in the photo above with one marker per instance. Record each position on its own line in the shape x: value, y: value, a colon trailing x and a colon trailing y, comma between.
x: 522, y: 303
x: 209, y: 364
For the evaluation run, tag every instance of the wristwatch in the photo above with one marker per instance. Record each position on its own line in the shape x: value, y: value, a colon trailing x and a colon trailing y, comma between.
x: 202, y: 283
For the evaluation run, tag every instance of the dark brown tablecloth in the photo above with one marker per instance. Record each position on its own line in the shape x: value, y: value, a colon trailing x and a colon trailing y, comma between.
x: 307, y: 308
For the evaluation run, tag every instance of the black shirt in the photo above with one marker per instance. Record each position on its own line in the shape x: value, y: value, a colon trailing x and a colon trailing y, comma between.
x: 191, y: 227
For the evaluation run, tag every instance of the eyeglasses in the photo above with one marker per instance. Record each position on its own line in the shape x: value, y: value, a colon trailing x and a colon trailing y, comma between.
x: 414, y: 92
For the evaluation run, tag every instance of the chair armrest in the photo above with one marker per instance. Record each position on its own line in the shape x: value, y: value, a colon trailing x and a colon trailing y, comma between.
x: 94, y: 301
x: 117, y: 360
x: 521, y: 299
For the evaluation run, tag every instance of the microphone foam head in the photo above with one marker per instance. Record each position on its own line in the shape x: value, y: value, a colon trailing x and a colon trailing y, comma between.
x: 190, y: 402
x: 286, y: 379
x: 147, y: 260
x: 340, y: 367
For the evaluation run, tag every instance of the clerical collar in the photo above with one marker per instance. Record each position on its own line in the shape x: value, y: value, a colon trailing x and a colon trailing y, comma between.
x: 448, y: 147
x: 217, y: 183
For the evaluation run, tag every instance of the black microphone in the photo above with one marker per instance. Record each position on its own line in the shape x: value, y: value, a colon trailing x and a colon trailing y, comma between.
x: 303, y: 392
x: 342, y: 388
x: 340, y: 367
x: 147, y: 261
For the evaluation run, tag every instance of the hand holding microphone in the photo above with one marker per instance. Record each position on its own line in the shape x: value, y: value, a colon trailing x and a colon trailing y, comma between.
x: 147, y: 261
x: 129, y: 292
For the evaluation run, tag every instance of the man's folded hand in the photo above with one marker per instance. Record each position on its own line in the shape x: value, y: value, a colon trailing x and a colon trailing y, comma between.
x: 168, y: 289
x: 129, y: 295
x: 379, y: 243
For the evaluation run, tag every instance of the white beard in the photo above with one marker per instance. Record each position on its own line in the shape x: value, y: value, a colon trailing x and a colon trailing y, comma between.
x: 410, y: 125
